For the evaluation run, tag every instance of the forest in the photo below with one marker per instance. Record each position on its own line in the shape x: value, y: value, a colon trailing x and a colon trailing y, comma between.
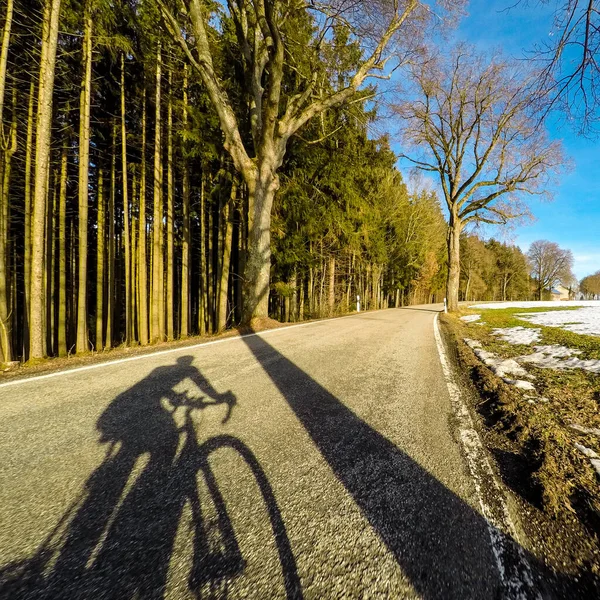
x: 152, y: 189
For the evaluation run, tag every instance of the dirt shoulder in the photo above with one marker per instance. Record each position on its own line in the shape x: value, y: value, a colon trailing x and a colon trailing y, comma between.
x: 554, y: 487
x: 53, y: 364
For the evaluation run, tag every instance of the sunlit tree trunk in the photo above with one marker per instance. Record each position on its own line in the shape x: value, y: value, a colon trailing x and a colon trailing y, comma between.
x: 142, y: 259
x: 7, y: 151
x: 4, y: 53
x: 50, y: 260
x: 125, y: 197
x: 110, y: 296
x: 42, y: 156
x: 453, y: 281
x: 331, y: 285
x: 28, y: 210
x: 185, y: 247
x: 203, y: 283
x: 84, y: 167
x: 5, y: 171
x: 158, y: 317
x: 226, y: 256
x: 62, y: 254
x: 170, y: 247
x: 134, y: 269
x: 100, y: 260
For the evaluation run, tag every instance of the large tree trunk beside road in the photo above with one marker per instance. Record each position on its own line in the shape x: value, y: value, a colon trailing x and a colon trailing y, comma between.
x: 453, y: 281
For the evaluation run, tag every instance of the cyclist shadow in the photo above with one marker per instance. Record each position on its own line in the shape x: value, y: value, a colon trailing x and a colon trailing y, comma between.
x: 117, y: 540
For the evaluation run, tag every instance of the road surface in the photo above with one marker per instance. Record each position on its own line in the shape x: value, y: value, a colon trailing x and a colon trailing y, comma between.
x: 319, y: 461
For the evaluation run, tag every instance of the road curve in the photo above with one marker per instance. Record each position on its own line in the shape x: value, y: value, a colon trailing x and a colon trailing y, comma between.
x: 318, y: 461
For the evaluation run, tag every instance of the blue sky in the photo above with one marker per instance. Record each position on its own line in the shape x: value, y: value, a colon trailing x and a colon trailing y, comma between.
x: 573, y: 218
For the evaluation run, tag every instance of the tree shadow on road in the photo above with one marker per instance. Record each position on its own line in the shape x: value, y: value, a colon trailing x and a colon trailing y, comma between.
x: 441, y: 544
x: 116, y: 541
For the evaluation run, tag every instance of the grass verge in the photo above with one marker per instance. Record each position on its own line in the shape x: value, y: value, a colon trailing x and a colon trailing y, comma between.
x: 554, y: 484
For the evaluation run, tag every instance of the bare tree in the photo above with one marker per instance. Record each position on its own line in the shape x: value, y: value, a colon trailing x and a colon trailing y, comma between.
x: 550, y: 264
x: 267, y: 36
x: 570, y: 62
x: 471, y: 124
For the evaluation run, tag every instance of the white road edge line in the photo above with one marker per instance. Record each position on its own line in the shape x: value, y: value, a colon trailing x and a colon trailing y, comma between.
x: 150, y: 354
x: 518, y: 581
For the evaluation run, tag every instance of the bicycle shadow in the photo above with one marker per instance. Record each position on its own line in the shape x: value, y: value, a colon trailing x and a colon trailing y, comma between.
x: 117, y: 539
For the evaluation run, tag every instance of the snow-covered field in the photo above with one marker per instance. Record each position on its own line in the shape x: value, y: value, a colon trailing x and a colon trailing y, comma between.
x: 585, y: 318
x: 582, y: 320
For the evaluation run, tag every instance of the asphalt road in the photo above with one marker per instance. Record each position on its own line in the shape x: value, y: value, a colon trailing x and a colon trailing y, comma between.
x: 318, y: 461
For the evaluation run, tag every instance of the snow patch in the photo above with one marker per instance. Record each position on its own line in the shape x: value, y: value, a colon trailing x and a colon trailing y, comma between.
x: 470, y: 318
x: 587, y: 451
x: 583, y: 320
x: 518, y: 335
x: 559, y: 357
x: 593, y: 456
x: 539, y: 304
x: 587, y: 430
x: 502, y: 367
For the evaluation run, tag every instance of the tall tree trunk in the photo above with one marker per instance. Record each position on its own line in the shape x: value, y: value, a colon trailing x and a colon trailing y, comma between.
x: 4, y: 55
x: 134, y: 269
x: 84, y: 167
x: 453, y: 280
x: 142, y: 260
x: 158, y: 317
x: 203, y: 281
x: 28, y: 211
x: 62, y: 254
x: 100, y: 261
x: 185, y: 247
x: 50, y: 260
x: 110, y: 297
x: 170, y: 247
x: 331, y: 284
x: 257, y: 272
x: 226, y: 258
x: 5, y: 328
x: 126, y: 242
x: 42, y: 156
x: 9, y: 148
x: 301, y: 300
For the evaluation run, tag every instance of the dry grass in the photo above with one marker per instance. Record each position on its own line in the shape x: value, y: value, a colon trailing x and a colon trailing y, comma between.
x: 553, y: 478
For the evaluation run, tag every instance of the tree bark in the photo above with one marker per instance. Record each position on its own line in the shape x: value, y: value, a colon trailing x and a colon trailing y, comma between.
x: 331, y: 285
x: 125, y: 198
x: 9, y: 148
x: 258, y: 264
x: 142, y: 259
x: 62, y: 254
x: 50, y: 263
x: 84, y: 167
x: 158, y: 318
x: 100, y: 259
x: 185, y: 246
x: 4, y: 55
x: 226, y: 257
x: 42, y: 156
x: 111, y: 216
x: 453, y: 280
x: 28, y: 211
x: 170, y: 246
x: 203, y: 281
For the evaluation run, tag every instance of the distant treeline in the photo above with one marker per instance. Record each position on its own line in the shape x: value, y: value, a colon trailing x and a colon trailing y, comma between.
x: 490, y: 270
